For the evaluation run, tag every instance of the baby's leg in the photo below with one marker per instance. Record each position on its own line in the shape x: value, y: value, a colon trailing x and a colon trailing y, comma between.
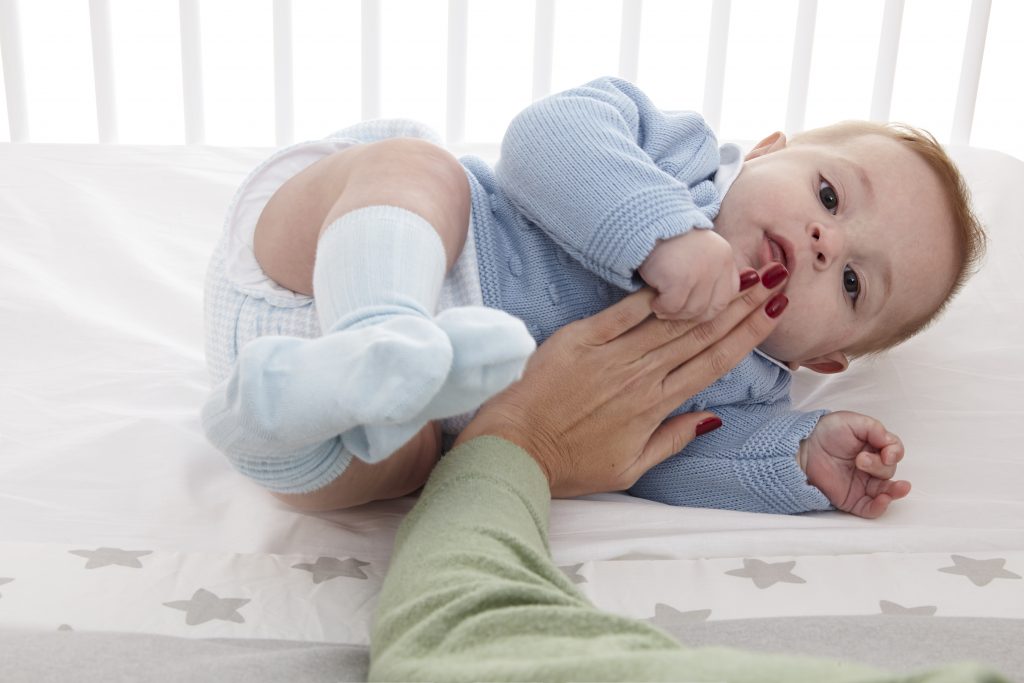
x: 396, y: 226
x: 402, y: 172
x: 370, y: 231
x: 405, y: 471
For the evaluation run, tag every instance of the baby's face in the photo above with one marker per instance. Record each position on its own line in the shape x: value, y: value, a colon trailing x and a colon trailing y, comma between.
x: 863, y: 227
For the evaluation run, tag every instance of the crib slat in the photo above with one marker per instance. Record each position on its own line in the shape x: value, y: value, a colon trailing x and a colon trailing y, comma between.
x: 970, y: 72
x: 799, y: 77
x: 885, y: 67
x: 629, y: 43
x: 103, y: 70
x: 543, y: 47
x: 14, y: 71
x: 370, y: 76
x: 191, y: 72
x: 284, y: 92
x: 458, y: 32
x: 714, y: 77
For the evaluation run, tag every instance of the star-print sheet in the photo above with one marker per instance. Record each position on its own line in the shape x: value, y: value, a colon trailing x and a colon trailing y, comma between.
x: 116, y: 516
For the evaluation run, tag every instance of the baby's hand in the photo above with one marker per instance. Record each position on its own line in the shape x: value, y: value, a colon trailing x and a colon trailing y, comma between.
x: 852, y: 458
x: 694, y: 274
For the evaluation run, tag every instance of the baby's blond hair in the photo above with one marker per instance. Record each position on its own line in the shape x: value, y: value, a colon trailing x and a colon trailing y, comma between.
x: 969, y: 235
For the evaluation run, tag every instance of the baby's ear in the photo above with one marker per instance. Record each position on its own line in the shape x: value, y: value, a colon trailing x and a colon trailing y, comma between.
x: 772, y: 143
x: 829, y: 364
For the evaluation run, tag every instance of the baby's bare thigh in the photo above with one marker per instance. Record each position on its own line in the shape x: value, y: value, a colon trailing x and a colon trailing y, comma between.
x: 401, y: 473
x: 289, y: 226
x: 409, y: 173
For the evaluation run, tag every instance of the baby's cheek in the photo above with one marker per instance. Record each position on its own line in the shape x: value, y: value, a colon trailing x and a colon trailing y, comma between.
x: 787, y: 341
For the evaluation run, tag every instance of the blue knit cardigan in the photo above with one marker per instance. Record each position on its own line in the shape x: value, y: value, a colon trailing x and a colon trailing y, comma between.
x: 588, y: 181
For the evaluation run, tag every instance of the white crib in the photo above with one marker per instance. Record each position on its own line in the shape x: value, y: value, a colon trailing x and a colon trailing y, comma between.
x: 719, y: 32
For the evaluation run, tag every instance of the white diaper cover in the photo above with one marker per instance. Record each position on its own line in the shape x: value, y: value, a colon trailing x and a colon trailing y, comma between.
x: 243, y: 303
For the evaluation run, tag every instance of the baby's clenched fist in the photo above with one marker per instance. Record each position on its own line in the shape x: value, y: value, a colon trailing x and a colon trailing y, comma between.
x: 694, y: 274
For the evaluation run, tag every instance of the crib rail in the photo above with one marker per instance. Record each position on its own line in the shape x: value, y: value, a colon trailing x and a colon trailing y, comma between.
x: 19, y: 119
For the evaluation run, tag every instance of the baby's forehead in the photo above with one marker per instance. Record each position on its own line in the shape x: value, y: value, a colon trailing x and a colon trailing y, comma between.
x: 860, y: 147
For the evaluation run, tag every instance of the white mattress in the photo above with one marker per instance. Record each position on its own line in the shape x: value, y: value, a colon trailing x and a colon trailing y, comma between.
x: 116, y: 515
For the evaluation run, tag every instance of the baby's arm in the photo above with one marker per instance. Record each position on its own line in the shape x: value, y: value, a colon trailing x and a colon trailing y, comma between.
x: 748, y: 464
x: 852, y: 459
x: 768, y: 458
x: 607, y: 175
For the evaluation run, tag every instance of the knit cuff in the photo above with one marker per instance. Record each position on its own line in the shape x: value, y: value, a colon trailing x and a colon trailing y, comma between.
x: 627, y: 235
x: 782, y: 487
x: 497, y: 459
x: 792, y: 493
x: 298, y: 472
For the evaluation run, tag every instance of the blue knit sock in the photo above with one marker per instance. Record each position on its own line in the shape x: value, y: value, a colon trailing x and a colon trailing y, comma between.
x: 376, y: 262
x: 286, y: 394
x: 380, y: 360
x: 382, y: 370
x: 491, y: 350
x: 382, y: 261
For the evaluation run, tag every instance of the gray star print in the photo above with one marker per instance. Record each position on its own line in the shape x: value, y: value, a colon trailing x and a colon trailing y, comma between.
x: 105, y: 557
x: 766, y: 574
x: 2, y: 582
x: 980, y: 572
x: 326, y: 568
x: 666, y: 617
x: 205, y: 606
x: 893, y: 608
x: 573, y: 572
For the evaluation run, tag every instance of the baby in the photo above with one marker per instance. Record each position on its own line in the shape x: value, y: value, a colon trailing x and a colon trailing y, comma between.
x: 434, y: 278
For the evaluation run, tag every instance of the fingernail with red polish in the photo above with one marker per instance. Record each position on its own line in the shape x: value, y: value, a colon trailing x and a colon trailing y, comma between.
x: 708, y: 425
x: 775, y: 275
x: 776, y: 305
x: 748, y: 278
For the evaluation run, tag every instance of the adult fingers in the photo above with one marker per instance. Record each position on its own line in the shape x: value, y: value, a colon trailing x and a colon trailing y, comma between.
x: 619, y: 318
x: 673, y: 435
x: 722, y: 351
x: 703, y: 338
x: 678, y: 340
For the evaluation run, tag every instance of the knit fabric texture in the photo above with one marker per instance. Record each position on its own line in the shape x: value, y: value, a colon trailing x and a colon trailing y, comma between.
x: 588, y: 181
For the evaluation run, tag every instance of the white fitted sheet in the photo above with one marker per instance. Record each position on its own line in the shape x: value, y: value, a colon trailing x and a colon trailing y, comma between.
x: 116, y: 515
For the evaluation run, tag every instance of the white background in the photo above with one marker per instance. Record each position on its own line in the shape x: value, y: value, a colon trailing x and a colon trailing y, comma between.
x: 237, y: 51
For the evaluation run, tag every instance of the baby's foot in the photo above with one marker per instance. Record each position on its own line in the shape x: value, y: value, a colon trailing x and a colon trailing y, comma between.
x: 404, y: 362
x: 286, y: 392
x: 490, y: 350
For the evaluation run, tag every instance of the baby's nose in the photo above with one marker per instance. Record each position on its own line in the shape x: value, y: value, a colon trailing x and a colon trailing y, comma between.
x: 825, y: 244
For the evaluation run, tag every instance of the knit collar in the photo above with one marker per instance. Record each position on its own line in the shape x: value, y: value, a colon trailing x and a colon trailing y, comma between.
x: 773, y: 361
x: 730, y: 161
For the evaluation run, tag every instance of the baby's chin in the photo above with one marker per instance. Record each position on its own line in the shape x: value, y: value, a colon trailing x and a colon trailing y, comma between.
x: 776, y: 347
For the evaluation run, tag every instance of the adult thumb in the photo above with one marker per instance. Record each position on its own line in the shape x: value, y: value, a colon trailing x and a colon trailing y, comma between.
x: 674, y: 434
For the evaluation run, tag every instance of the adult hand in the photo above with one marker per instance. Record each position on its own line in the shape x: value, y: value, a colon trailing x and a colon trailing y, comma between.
x: 592, y: 403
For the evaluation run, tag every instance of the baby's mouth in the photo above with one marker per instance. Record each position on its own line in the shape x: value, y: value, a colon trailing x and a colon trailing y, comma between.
x: 775, y: 251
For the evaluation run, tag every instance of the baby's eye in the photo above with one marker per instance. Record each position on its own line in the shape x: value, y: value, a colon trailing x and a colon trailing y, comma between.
x: 851, y: 283
x: 828, y: 196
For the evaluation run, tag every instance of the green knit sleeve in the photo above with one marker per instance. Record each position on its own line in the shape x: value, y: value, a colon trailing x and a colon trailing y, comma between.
x: 472, y: 595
